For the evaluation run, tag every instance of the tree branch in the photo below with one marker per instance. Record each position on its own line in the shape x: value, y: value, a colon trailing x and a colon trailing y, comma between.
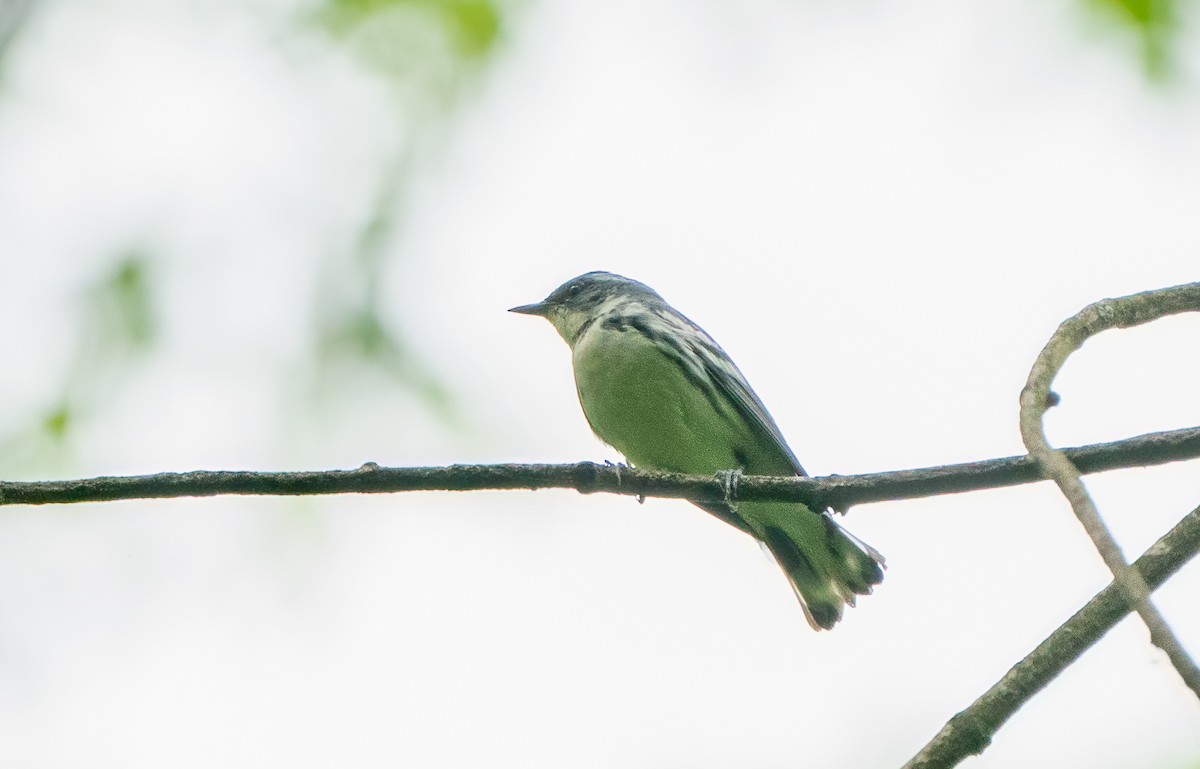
x: 969, y: 732
x: 838, y: 491
x: 1071, y: 334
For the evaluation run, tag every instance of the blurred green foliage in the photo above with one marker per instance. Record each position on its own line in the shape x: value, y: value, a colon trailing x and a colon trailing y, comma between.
x: 122, y: 303
x: 116, y: 326
x: 1155, y: 24
x: 472, y: 26
x: 364, y: 338
x: 428, y: 53
x: 57, y: 421
x: 428, y: 48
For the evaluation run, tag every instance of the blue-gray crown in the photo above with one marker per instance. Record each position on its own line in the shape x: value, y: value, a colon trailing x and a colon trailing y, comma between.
x: 594, y: 288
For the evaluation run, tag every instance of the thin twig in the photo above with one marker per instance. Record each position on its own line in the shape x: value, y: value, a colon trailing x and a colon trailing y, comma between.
x: 1071, y: 334
x: 839, y: 491
x: 969, y: 732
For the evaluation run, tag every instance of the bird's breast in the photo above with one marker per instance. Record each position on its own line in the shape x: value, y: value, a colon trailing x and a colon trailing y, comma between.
x: 639, y: 397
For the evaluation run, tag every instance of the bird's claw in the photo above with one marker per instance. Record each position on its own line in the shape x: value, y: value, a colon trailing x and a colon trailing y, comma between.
x: 617, y: 467
x: 729, y: 485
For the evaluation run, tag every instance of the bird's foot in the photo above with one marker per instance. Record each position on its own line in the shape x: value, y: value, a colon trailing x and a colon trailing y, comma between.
x: 617, y: 468
x: 729, y: 485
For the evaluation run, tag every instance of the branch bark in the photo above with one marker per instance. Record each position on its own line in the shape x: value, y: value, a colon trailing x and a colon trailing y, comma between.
x: 971, y: 731
x: 837, y: 491
x: 1071, y: 334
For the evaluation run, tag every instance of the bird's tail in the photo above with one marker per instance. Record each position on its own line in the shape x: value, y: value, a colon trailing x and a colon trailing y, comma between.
x: 826, y: 565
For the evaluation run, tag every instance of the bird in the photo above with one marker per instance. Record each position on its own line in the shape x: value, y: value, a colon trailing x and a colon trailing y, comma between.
x: 657, y: 388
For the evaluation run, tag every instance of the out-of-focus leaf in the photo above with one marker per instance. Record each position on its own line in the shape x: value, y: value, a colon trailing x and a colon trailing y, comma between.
x: 421, y: 43
x: 363, y: 339
x: 1155, y: 23
x: 116, y: 326
x: 428, y: 50
x: 126, y: 296
x: 57, y: 422
x: 475, y: 25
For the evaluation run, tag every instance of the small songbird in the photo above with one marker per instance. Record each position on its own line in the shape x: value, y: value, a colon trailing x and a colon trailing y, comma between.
x: 657, y: 388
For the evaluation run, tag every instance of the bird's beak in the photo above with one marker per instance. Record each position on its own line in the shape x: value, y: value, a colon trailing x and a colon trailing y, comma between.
x: 541, y: 308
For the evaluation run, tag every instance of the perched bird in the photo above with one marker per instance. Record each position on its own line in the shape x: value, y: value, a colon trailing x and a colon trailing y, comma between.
x: 657, y: 388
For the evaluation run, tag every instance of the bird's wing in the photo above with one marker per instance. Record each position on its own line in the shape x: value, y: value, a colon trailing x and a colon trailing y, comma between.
x: 731, y: 383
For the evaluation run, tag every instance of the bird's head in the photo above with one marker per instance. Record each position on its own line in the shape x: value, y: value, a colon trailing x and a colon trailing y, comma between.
x: 581, y: 300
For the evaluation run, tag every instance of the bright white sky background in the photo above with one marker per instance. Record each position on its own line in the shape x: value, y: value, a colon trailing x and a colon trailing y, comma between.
x: 880, y: 209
